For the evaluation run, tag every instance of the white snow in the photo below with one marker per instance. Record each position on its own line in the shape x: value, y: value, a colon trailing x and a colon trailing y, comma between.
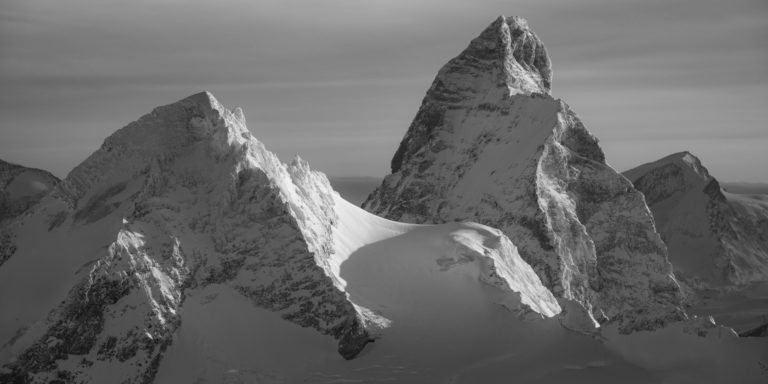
x: 445, y: 326
x: 429, y: 249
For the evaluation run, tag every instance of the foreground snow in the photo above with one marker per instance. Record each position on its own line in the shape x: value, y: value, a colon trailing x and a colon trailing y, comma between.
x: 443, y: 325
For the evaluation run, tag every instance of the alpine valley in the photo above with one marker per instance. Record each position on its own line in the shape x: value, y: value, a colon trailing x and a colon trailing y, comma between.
x: 501, y: 248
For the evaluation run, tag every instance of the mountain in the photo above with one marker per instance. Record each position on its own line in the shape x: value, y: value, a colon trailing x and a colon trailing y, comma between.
x: 490, y: 144
x: 185, y: 210
x: 716, y: 239
x: 22, y: 187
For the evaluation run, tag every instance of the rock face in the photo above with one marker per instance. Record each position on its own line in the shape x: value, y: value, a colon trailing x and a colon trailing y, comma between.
x: 489, y: 144
x: 22, y: 187
x: 184, y: 197
x: 717, y: 240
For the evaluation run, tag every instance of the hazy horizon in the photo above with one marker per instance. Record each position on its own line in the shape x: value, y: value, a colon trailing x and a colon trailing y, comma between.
x: 342, y: 80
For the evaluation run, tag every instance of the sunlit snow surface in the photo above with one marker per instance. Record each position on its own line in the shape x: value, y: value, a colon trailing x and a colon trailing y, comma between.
x: 443, y: 326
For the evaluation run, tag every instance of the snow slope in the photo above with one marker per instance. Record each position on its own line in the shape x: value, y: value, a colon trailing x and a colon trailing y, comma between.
x: 489, y: 144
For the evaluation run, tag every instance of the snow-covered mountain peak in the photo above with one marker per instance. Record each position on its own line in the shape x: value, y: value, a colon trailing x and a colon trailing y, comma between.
x: 715, y: 239
x: 673, y: 174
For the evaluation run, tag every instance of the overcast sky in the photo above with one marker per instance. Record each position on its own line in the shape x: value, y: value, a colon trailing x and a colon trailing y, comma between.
x: 338, y: 81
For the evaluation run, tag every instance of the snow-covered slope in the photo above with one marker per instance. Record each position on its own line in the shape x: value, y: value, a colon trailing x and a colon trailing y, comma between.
x: 185, y: 206
x: 489, y: 144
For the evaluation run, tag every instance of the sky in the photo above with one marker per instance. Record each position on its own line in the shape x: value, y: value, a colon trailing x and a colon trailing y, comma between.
x: 339, y: 81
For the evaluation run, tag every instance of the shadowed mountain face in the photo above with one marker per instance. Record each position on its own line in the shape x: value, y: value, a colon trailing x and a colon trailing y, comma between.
x: 21, y: 188
x: 717, y: 240
x: 489, y: 144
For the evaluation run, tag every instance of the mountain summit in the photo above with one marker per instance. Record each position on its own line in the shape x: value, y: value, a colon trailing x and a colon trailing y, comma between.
x: 489, y: 144
x: 717, y: 240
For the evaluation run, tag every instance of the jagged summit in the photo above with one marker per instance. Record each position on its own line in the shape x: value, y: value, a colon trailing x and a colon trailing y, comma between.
x: 506, y: 59
x: 512, y: 43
